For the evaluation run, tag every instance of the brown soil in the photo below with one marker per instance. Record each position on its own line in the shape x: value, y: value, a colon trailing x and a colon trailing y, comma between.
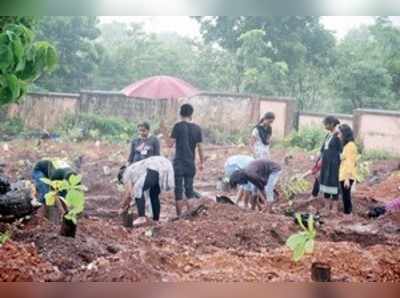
x: 225, y: 243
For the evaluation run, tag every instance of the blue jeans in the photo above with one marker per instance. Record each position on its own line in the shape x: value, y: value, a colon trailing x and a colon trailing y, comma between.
x: 269, y: 188
x: 41, y: 188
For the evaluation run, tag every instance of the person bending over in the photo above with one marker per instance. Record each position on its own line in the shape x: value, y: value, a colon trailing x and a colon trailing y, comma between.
x: 240, y: 162
x: 264, y: 174
x: 152, y: 175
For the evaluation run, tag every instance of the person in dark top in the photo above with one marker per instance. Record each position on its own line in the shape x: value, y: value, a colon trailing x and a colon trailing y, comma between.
x: 263, y: 174
x: 53, y: 170
x: 187, y: 136
x: 330, y: 157
x: 144, y: 146
x: 42, y: 169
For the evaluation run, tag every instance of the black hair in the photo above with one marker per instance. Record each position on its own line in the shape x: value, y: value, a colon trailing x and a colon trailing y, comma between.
x: 331, y: 120
x: 347, y: 133
x: 267, y: 115
x: 238, y: 177
x: 144, y: 125
x: 186, y: 110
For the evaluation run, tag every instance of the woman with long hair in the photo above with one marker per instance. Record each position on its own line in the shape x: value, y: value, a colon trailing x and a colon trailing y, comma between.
x: 348, y: 167
x: 261, y: 136
x: 330, y: 157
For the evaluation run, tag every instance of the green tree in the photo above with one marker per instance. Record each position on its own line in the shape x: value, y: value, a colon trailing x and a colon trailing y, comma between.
x: 292, y: 54
x: 22, y: 60
x: 132, y: 54
x: 74, y: 36
x: 361, y: 78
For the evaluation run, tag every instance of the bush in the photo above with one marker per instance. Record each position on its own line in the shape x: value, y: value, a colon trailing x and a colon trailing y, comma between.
x: 219, y: 137
x: 375, y: 155
x: 308, y: 138
x: 12, y: 127
x: 94, y: 127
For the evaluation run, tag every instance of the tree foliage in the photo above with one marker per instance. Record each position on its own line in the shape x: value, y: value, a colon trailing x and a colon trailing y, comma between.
x: 22, y: 60
x: 74, y: 37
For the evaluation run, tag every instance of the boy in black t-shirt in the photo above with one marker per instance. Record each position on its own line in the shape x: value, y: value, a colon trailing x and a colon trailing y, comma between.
x: 187, y: 136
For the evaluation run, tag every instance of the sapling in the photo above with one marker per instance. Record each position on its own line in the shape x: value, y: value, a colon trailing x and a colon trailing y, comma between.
x: 4, y: 237
x: 293, y: 187
x: 302, y: 242
x: 74, y: 201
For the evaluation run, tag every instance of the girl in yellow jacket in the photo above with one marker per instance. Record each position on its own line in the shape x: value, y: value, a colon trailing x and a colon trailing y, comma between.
x: 348, y: 167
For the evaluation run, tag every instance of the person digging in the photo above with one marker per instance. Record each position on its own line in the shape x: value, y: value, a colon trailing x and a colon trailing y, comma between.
x: 264, y: 175
x: 235, y: 163
x: 151, y: 175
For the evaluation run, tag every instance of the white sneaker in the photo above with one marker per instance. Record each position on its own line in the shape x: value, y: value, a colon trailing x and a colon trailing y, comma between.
x: 139, y: 221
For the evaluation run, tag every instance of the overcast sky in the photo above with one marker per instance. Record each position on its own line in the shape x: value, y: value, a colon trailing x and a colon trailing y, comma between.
x: 188, y: 27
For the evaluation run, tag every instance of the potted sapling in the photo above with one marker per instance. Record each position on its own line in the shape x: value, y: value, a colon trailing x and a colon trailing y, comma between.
x: 303, y: 243
x: 69, y: 195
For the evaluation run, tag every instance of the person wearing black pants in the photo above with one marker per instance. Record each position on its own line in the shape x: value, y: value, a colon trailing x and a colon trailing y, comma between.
x: 187, y: 137
x: 151, y: 184
x: 346, y: 196
x: 155, y: 175
x: 348, y: 168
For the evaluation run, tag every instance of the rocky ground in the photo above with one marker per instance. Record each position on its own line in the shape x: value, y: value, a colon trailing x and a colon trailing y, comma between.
x: 223, y: 243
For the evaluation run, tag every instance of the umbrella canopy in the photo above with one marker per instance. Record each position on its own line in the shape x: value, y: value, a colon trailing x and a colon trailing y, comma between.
x: 160, y: 87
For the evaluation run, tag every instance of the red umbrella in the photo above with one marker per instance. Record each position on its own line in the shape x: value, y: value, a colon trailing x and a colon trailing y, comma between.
x: 160, y: 87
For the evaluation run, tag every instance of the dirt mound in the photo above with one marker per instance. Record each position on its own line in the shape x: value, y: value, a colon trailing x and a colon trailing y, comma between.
x: 20, y: 262
x: 386, y: 190
x: 226, y: 226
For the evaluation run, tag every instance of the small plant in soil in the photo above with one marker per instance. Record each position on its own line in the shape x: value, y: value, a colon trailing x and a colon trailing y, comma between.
x: 294, y: 187
x: 303, y: 242
x: 73, y: 204
x: 4, y: 237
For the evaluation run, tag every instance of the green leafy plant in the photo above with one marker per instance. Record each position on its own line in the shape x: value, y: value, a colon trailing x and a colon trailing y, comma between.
x: 363, y: 170
x: 74, y: 202
x: 295, y: 186
x: 4, y: 237
x: 309, y: 138
x: 94, y: 127
x: 22, y: 61
x: 376, y: 155
x: 12, y: 126
x: 302, y: 242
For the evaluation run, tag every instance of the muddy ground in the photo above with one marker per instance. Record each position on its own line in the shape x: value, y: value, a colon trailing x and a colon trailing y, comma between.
x: 224, y: 243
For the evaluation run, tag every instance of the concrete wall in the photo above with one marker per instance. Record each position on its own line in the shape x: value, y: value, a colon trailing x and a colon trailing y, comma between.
x: 285, y: 111
x: 117, y: 104
x: 226, y: 112
x: 379, y: 130
x: 44, y: 110
x: 311, y: 119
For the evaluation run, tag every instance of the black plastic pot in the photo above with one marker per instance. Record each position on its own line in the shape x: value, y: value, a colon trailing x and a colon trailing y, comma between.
x: 320, y: 272
x: 68, y: 228
x: 127, y: 218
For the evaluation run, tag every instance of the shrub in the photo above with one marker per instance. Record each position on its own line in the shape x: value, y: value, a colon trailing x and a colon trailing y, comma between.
x: 375, y: 155
x: 308, y: 138
x: 219, y: 137
x: 89, y: 126
x: 12, y: 127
